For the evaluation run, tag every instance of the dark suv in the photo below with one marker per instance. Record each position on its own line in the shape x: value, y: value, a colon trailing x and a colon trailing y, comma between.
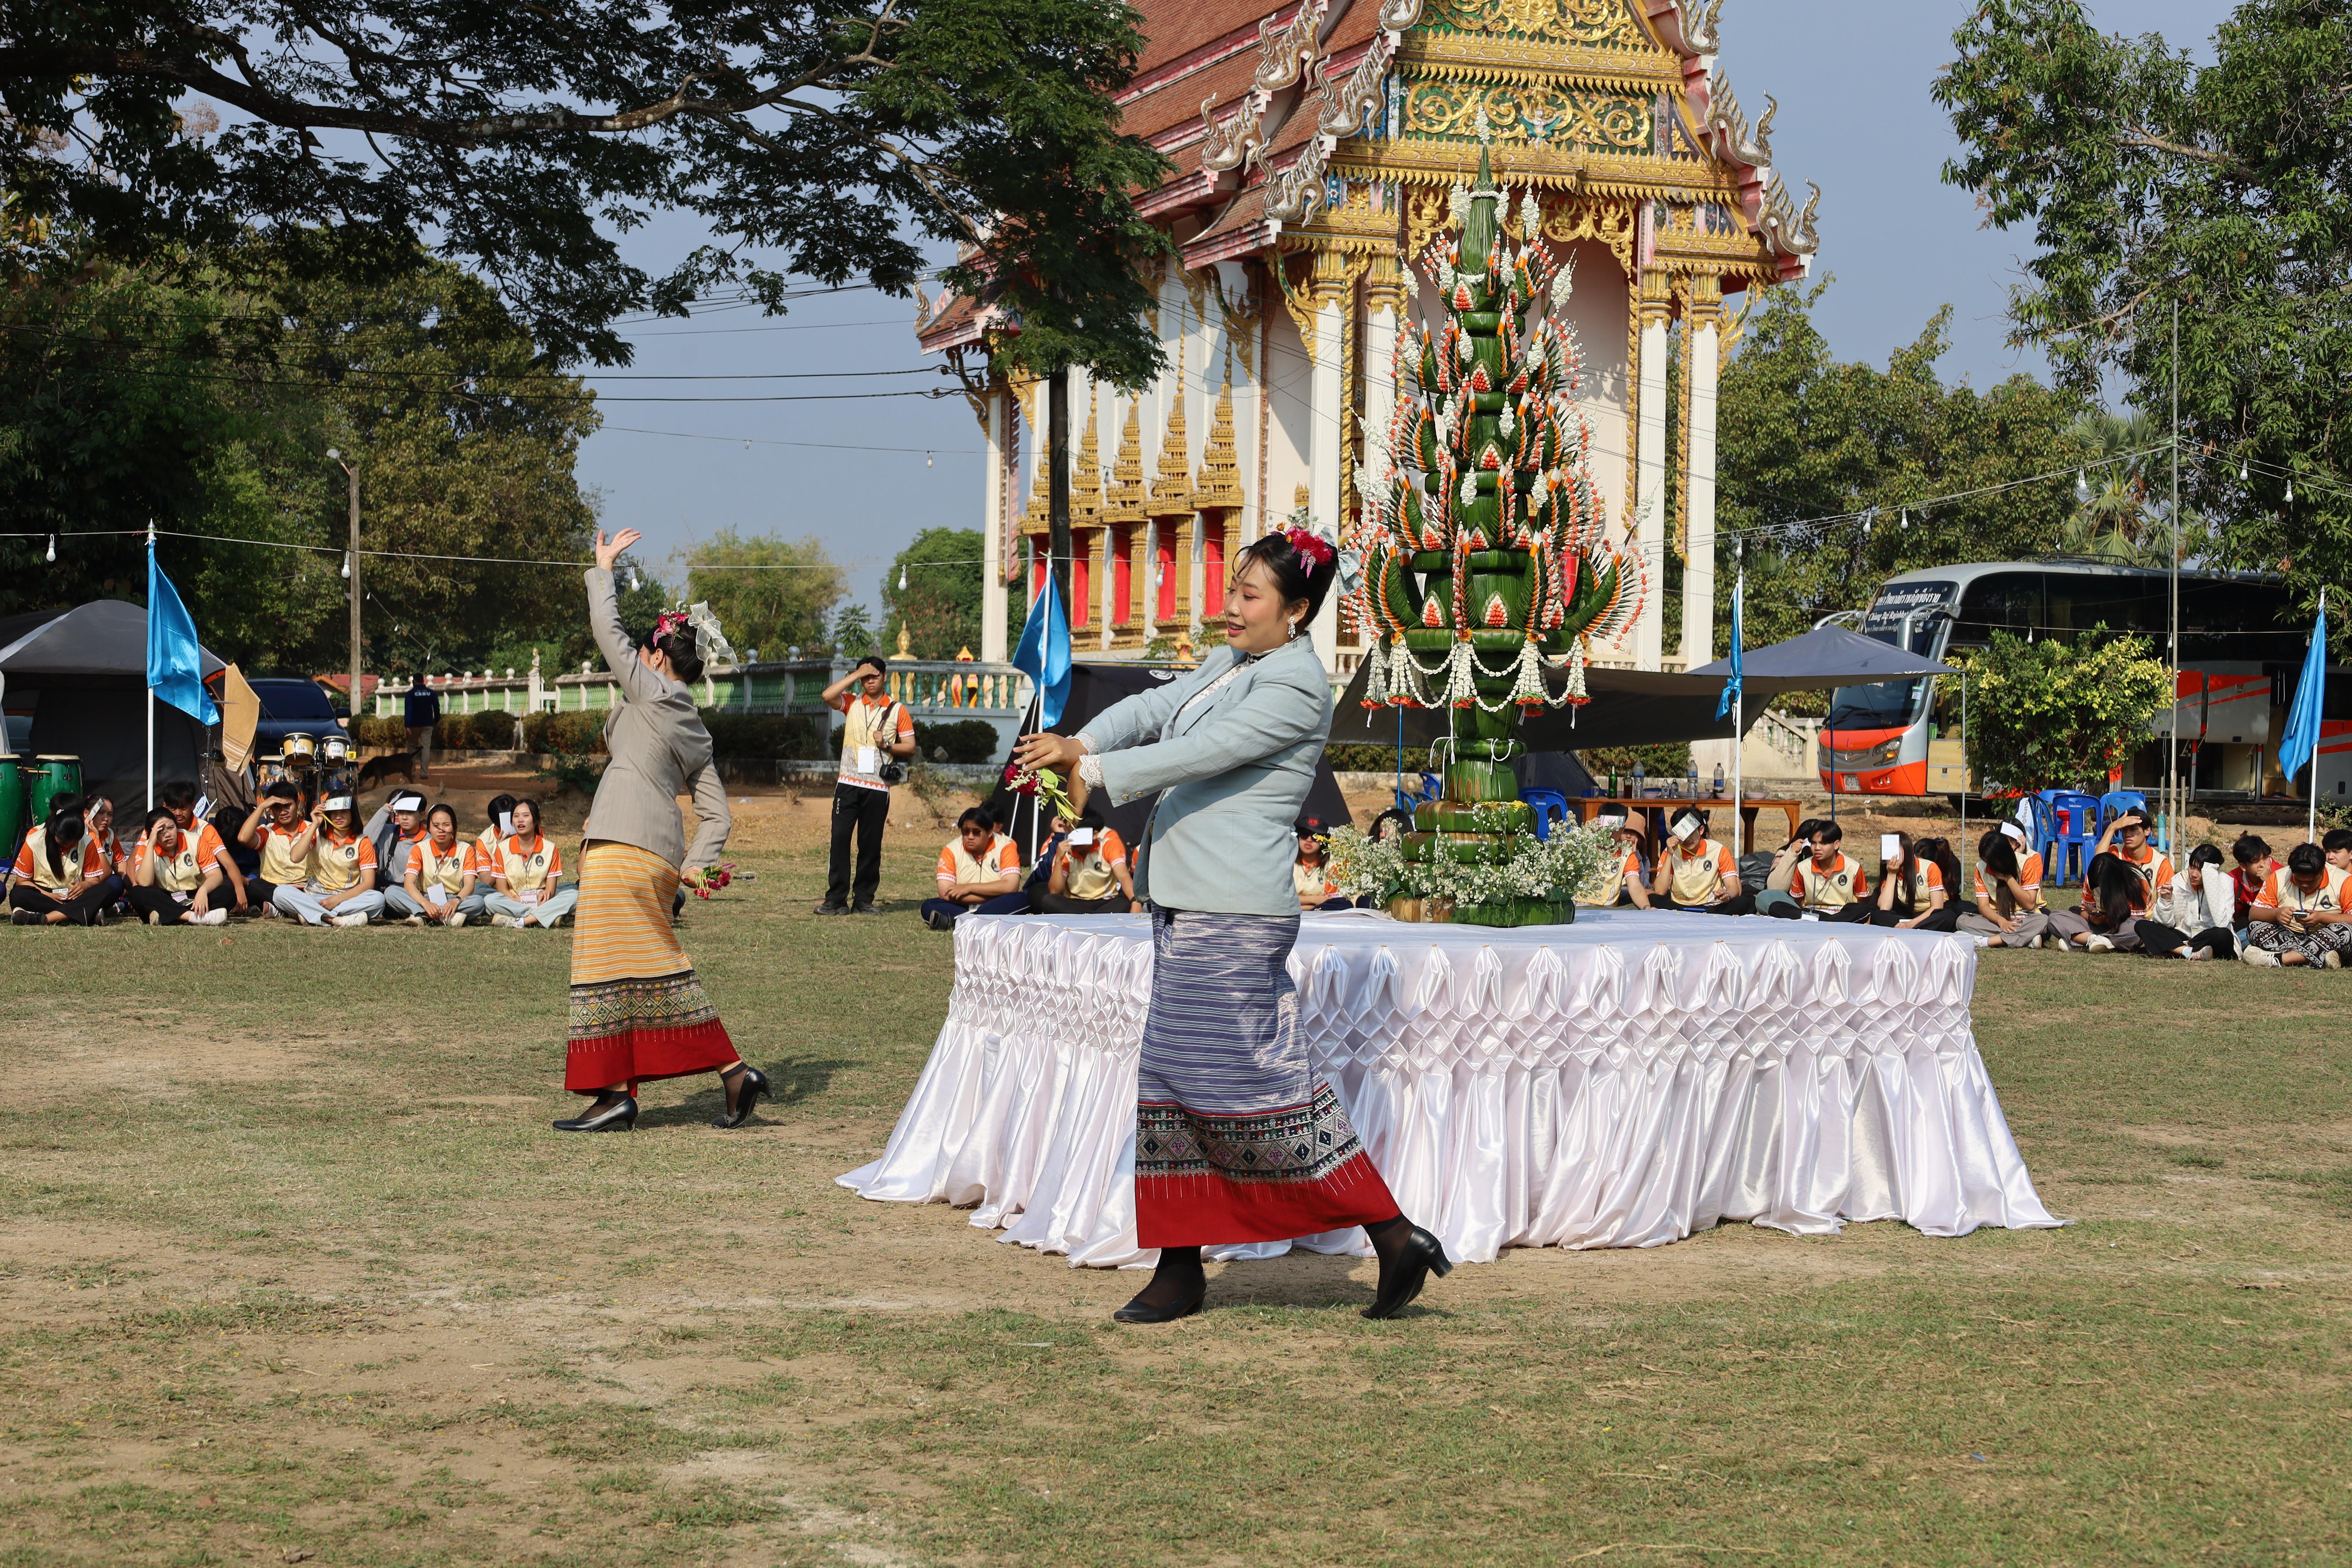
x: 291, y: 707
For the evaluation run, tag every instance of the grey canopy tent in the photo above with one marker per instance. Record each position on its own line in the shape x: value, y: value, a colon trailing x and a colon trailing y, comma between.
x: 84, y: 675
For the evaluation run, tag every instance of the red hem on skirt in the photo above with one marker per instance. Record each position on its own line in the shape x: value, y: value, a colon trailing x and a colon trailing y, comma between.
x: 640, y: 1056
x: 1209, y: 1209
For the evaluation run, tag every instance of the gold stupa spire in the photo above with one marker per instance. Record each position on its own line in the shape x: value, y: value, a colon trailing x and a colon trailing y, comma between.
x: 1171, y: 492
x: 1124, y: 500
x: 1220, y: 484
x: 1086, y: 478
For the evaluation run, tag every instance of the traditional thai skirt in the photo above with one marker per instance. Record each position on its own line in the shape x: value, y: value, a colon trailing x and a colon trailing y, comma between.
x: 638, y: 1010
x: 1236, y: 1138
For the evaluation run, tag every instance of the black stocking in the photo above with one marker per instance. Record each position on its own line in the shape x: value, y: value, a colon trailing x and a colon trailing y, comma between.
x: 1178, y: 1279
x: 1388, y: 1238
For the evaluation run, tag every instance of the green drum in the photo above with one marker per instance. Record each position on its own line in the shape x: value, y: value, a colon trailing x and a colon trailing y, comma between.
x: 51, y: 777
x: 11, y: 806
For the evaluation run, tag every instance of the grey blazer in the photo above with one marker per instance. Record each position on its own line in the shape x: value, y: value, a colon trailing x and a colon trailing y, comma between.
x: 1235, y: 771
x: 660, y: 751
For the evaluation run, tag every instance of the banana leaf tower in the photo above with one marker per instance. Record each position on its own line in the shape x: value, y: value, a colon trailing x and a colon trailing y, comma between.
x: 1484, y: 558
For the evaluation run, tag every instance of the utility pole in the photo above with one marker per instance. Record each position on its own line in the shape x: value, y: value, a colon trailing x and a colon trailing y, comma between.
x: 1057, y: 486
x: 351, y: 571
x: 2172, y: 776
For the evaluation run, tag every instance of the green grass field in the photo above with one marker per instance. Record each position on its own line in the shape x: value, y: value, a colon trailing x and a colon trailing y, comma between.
x: 296, y: 1270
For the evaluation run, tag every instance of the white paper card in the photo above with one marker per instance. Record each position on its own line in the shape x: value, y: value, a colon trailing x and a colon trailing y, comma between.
x: 866, y: 763
x: 1890, y: 847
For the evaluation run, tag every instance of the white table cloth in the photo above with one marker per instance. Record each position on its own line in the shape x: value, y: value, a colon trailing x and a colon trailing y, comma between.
x: 1622, y: 1082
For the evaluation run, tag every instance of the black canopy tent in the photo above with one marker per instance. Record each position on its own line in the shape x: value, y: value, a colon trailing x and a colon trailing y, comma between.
x: 1095, y: 687
x: 1628, y: 707
x: 85, y: 670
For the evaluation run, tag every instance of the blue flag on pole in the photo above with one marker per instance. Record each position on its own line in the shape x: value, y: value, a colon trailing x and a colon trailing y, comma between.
x: 1731, y: 686
x: 1044, y: 654
x: 175, y: 664
x: 2302, y: 738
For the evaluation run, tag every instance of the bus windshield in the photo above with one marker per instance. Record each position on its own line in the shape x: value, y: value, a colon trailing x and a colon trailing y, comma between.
x: 1902, y: 616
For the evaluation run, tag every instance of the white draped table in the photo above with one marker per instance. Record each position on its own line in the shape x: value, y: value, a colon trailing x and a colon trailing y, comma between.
x: 1622, y: 1082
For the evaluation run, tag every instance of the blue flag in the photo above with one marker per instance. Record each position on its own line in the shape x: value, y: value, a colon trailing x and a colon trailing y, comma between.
x: 1044, y: 654
x: 175, y: 664
x: 2301, y: 737
x: 1731, y: 686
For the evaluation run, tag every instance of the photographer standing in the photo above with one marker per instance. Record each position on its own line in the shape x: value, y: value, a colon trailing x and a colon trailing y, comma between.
x: 876, y: 735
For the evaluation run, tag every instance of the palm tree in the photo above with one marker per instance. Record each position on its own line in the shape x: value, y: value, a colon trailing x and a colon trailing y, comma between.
x: 2118, y: 517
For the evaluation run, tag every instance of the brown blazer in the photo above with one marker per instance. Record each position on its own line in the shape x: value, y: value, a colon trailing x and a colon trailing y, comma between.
x: 660, y: 751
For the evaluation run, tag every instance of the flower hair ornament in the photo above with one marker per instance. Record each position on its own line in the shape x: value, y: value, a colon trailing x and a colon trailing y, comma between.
x: 1313, y: 546
x: 708, y: 640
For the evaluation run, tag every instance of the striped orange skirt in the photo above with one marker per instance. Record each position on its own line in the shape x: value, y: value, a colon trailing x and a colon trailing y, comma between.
x: 638, y: 1010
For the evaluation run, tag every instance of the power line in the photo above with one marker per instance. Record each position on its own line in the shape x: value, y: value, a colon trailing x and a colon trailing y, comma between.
x: 822, y: 446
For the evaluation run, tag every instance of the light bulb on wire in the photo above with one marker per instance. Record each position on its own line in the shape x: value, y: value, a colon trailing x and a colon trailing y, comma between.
x: 2290, y: 492
x: 53, y: 547
x: 2241, y: 470
x: 347, y: 563
x: 902, y: 576
x: 927, y: 460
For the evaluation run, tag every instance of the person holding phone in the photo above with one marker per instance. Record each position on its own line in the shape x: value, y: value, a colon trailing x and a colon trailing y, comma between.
x: 1090, y: 874
x: 1697, y: 874
x: 2300, y: 919
x: 1824, y: 883
x: 1911, y: 895
x: 878, y: 735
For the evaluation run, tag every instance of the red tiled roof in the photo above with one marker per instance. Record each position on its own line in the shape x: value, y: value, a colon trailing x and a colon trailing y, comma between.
x: 957, y: 322
x: 1177, y: 104
x: 1175, y: 28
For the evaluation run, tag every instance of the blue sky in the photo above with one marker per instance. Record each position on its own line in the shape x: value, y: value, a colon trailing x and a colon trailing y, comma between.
x: 1851, y: 77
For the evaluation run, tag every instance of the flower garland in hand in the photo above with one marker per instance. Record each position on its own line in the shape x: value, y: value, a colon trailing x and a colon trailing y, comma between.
x: 705, y: 880
x: 1040, y: 783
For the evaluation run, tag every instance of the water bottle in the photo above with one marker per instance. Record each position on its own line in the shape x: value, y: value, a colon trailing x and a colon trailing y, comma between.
x: 1690, y: 783
x: 1640, y: 787
x: 1719, y: 781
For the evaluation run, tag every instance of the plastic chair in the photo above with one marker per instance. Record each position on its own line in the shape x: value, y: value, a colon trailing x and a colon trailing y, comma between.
x: 1551, y: 806
x: 2112, y: 804
x: 1432, y: 787
x: 2067, y: 838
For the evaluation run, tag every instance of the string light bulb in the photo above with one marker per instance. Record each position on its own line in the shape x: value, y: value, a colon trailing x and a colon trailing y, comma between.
x: 53, y: 547
x: 347, y: 563
x: 2290, y: 492
x: 2082, y: 486
x: 927, y: 460
x: 1907, y: 520
x: 902, y: 576
x: 2241, y: 470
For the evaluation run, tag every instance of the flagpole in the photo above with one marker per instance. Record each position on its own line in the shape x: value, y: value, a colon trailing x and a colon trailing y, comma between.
x: 1739, y: 715
x: 150, y: 665
x: 2319, y: 628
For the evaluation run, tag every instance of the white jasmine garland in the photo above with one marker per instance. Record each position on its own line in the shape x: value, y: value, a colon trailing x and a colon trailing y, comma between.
x: 1539, y: 869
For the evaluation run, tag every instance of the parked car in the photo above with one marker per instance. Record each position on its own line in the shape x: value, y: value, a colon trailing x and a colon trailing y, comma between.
x: 291, y: 706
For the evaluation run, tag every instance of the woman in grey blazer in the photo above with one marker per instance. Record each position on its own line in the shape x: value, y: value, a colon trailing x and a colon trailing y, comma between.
x: 1237, y: 1137
x: 638, y: 1011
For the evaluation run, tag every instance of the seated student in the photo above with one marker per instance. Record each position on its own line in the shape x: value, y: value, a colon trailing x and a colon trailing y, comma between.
x: 2192, y: 913
x: 396, y: 828
x: 341, y: 887
x: 1697, y: 874
x: 2107, y: 916
x: 440, y: 886
x: 60, y: 877
x: 1775, y: 898
x: 1390, y: 824
x: 2300, y: 919
x: 2336, y: 844
x: 1310, y: 879
x: 529, y: 873
x: 172, y: 882
x: 979, y: 871
x: 179, y: 798
x: 1625, y: 880
x: 1824, y: 883
x: 98, y: 820
x: 2008, y: 911
x: 2252, y: 874
x: 285, y: 838
x: 1911, y: 895
x: 501, y: 814
x: 1091, y: 875
x: 2126, y: 839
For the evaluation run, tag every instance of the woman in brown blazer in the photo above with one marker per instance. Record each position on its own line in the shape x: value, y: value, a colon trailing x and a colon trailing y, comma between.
x: 638, y: 1010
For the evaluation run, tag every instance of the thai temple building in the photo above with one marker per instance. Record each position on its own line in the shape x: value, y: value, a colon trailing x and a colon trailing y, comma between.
x: 1319, y: 147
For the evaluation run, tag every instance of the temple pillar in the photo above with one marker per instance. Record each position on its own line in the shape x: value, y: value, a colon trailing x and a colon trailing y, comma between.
x: 994, y: 506
x: 1384, y: 310
x: 1334, y: 301
x: 1699, y: 370
x: 1650, y: 465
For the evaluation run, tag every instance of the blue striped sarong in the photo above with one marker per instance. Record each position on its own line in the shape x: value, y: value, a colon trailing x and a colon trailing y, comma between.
x: 1236, y: 1138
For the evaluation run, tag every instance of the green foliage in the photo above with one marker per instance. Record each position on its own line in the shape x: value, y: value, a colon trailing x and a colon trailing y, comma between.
x: 1669, y: 759
x: 2152, y: 185
x: 490, y: 731
x: 763, y: 736
x: 1802, y: 436
x: 842, y: 139
x: 1359, y: 757
x: 963, y: 740
x: 579, y: 733
x: 2058, y: 714
x: 853, y: 632
x: 383, y: 730
x: 776, y: 595
x: 940, y: 606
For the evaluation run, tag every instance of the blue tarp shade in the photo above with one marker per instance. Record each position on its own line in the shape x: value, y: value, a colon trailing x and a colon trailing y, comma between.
x: 1823, y: 658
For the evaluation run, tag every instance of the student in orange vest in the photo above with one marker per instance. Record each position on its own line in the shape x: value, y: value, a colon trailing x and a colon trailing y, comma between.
x: 1089, y: 874
x: 277, y: 828
x: 442, y: 883
x: 2252, y: 874
x: 528, y: 871
x: 2008, y: 911
x: 1696, y: 873
x: 1629, y: 884
x: 2301, y: 919
x: 2107, y: 919
x: 2127, y: 839
x: 341, y: 887
x: 60, y: 877
x: 172, y: 882
x: 179, y: 798
x: 1911, y: 894
x: 1824, y: 883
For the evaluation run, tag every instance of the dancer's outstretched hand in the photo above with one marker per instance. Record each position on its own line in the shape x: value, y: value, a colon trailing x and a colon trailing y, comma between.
x: 1059, y: 752
x: 609, y: 550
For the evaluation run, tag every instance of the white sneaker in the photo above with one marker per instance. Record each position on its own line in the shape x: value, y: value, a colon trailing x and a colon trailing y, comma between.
x: 2260, y: 957
x: 2095, y: 943
x: 506, y: 921
x: 416, y: 920
x: 456, y: 919
x: 154, y: 917
x: 350, y: 920
x: 2194, y: 954
x: 2332, y: 959
x: 212, y: 918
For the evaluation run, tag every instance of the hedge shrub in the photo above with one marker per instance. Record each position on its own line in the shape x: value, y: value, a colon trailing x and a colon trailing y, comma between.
x: 761, y: 737
x: 487, y: 732
x: 580, y: 734
x: 385, y: 730
x: 963, y: 740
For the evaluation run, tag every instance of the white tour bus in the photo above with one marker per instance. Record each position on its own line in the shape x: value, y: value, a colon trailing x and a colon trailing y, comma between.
x: 2242, y: 651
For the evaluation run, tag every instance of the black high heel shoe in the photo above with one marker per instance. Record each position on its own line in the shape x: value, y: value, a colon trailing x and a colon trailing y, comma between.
x: 1422, y: 1255
x: 621, y: 1116
x: 748, y: 1087
x: 1140, y: 1312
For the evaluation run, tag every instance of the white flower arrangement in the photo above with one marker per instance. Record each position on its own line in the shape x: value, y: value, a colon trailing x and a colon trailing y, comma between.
x: 1539, y: 869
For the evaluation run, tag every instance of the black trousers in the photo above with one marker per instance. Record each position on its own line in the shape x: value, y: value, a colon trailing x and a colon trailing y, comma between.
x: 1945, y: 919
x: 864, y: 812
x: 1737, y: 904
x: 1062, y: 904
x: 158, y: 901
x: 81, y: 912
x: 2158, y: 941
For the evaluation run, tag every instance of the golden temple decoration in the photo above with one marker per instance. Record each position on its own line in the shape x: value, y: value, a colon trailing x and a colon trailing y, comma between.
x: 1039, y: 518
x: 1171, y: 491
x: 1605, y: 24
x: 1085, y: 475
x: 1123, y: 502
x: 1298, y: 302
x: 1544, y: 112
x: 1220, y: 484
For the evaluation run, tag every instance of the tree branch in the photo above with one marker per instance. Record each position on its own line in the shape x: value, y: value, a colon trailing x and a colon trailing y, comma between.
x: 2140, y: 136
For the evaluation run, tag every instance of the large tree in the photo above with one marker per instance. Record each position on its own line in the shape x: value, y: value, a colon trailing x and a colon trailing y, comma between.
x: 2224, y: 193
x: 825, y: 139
x: 1807, y: 444
x: 932, y: 589
x: 769, y: 594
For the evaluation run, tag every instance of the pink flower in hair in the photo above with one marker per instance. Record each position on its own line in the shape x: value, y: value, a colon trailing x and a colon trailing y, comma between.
x: 1313, y: 546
